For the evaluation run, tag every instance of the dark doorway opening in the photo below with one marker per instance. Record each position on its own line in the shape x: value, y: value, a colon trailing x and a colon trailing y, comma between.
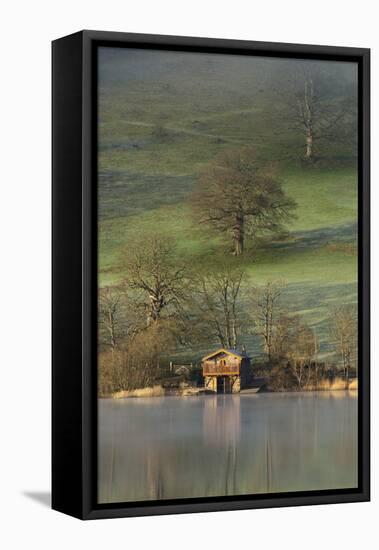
x: 223, y: 384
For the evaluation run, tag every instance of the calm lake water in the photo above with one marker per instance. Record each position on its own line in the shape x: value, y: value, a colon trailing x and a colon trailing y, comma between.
x: 180, y: 447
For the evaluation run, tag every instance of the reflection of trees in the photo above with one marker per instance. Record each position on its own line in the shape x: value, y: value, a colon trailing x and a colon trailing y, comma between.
x: 224, y: 446
x: 221, y: 431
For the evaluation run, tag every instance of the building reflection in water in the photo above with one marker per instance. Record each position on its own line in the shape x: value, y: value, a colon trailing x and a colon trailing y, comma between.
x: 221, y: 420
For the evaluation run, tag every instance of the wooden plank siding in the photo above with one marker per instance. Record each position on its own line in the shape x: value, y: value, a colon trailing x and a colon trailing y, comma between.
x: 210, y: 367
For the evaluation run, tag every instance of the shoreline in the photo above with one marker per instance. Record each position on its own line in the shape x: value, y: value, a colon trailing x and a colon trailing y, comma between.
x: 192, y: 391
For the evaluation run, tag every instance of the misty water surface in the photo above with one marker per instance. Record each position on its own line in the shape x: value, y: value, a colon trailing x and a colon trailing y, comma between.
x: 178, y: 447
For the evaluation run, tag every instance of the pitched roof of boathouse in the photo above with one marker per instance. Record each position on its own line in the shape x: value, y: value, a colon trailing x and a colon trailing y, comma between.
x: 228, y: 351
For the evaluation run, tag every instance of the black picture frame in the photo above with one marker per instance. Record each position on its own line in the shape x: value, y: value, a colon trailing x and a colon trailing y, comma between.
x: 74, y: 271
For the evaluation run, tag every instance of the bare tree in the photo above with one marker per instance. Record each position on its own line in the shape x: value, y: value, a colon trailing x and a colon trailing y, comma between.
x: 136, y: 365
x: 344, y: 331
x: 111, y: 315
x: 219, y: 303
x: 266, y: 313
x: 306, y: 101
x: 316, y: 115
x: 141, y: 359
x: 158, y: 282
x: 296, y: 345
x: 301, y: 353
x: 279, y: 341
x: 317, y: 367
x: 240, y: 197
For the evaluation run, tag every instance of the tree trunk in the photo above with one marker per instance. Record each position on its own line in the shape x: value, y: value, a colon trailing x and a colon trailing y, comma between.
x: 347, y: 369
x: 309, y: 144
x: 111, y: 326
x: 157, y: 303
x: 238, y: 234
x: 234, y: 334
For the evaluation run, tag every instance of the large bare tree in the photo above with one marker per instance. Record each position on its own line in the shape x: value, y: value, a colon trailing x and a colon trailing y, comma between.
x: 242, y: 198
x: 158, y: 281
x: 218, y: 299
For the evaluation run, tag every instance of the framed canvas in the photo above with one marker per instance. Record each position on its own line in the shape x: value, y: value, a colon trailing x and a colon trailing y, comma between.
x: 210, y: 275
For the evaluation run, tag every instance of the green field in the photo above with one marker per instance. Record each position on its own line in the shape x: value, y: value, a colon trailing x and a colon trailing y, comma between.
x: 161, y: 122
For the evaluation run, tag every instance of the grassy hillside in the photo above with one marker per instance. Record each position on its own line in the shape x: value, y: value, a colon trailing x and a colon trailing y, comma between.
x: 164, y: 116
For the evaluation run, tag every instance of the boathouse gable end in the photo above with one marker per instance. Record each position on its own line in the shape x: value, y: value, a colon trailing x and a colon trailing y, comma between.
x: 225, y: 370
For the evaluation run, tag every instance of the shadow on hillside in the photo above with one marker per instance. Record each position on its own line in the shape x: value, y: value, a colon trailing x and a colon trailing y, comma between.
x: 314, y: 238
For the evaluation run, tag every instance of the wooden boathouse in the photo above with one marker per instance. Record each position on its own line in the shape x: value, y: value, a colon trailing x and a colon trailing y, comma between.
x: 226, y: 371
